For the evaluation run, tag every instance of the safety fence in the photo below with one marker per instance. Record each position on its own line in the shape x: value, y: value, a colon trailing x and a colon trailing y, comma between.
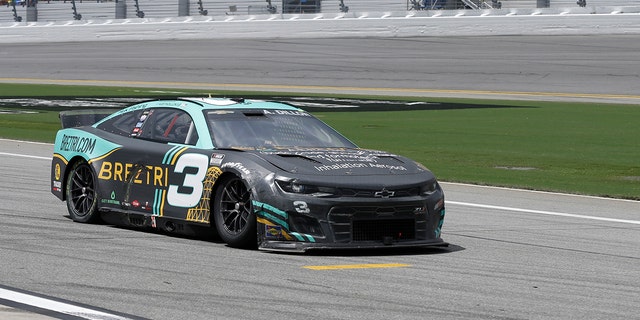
x: 69, y: 10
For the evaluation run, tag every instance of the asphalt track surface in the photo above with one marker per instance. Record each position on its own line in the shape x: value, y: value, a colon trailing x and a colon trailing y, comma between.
x: 586, y: 68
x: 513, y: 255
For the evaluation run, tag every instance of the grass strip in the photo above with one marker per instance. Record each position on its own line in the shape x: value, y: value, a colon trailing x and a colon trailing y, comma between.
x: 582, y: 148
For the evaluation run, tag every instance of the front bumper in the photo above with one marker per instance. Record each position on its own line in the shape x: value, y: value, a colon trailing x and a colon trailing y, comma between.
x: 340, y: 223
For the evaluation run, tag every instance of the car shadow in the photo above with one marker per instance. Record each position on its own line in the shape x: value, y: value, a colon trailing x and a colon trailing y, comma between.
x: 212, y: 237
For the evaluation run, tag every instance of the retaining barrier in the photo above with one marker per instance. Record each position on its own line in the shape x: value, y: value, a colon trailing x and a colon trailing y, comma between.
x: 535, y: 21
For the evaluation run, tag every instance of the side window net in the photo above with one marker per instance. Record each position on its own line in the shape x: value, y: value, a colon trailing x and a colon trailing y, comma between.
x: 122, y: 124
x: 166, y: 126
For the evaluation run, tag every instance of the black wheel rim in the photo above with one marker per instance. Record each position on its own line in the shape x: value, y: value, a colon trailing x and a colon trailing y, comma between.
x: 235, y: 206
x: 82, y: 190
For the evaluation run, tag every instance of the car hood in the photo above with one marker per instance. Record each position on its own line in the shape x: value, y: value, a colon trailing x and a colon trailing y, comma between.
x: 339, y: 161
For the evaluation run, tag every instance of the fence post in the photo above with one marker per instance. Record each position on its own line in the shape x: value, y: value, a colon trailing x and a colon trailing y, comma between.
x: 32, y: 10
x: 543, y: 4
x: 121, y: 9
x: 183, y: 8
x: 451, y: 4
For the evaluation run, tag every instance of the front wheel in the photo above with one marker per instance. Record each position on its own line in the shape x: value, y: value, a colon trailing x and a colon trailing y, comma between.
x: 233, y: 214
x: 82, y: 200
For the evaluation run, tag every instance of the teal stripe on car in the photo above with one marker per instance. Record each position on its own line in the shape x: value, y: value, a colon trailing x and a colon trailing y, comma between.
x: 274, y: 219
x: 303, y: 237
x: 271, y: 208
x: 169, y: 155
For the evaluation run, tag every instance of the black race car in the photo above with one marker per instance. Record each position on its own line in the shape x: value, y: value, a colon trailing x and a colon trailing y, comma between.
x: 260, y: 174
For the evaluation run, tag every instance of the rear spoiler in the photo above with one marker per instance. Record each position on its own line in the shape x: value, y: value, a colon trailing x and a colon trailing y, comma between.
x: 79, y: 118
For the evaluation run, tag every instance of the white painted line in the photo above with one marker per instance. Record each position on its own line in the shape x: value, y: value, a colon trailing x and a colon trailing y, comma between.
x: 444, y: 183
x: 24, y: 156
x: 56, y: 306
x: 24, y: 141
x: 485, y: 206
x: 551, y: 213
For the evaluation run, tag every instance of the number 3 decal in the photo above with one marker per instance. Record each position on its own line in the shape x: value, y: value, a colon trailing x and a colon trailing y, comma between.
x: 301, y: 207
x: 192, y: 181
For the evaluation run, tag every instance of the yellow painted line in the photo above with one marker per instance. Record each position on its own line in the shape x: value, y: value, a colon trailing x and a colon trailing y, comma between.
x: 248, y: 86
x: 358, y: 266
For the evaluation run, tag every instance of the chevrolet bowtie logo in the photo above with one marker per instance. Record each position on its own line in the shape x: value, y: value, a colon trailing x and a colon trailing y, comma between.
x: 384, y: 194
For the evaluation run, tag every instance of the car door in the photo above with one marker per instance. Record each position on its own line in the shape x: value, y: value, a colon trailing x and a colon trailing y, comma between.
x: 159, y: 172
x: 168, y: 179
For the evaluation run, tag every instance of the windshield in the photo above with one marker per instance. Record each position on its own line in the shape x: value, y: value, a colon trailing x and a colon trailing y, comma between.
x: 271, y: 128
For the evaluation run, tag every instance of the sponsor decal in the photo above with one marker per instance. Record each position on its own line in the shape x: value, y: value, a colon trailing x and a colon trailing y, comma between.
x: 419, y: 210
x: 191, y: 170
x: 339, y: 166
x: 236, y: 165
x: 216, y: 159
x: 347, y: 157
x: 119, y: 171
x: 132, y: 108
x: 384, y: 194
x: 272, y: 231
x: 288, y: 112
x: 221, y: 112
x: 112, y: 200
x: 138, y: 128
x: 77, y: 144
x: 387, y: 166
x: 57, y: 171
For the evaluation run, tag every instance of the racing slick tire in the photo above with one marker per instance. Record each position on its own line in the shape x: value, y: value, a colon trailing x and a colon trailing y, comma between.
x: 234, y: 218
x: 81, y: 193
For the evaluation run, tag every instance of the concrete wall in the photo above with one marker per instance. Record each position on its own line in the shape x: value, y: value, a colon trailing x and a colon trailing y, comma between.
x: 421, y: 24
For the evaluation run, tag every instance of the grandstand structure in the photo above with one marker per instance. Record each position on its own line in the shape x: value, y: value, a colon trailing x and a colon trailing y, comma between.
x: 88, y: 10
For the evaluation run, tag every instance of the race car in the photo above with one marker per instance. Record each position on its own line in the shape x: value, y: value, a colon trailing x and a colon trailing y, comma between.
x: 259, y: 174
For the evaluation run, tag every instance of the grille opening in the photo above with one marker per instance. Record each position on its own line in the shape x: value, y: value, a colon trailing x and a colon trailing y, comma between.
x: 306, y: 225
x: 378, y: 230
x: 363, y: 193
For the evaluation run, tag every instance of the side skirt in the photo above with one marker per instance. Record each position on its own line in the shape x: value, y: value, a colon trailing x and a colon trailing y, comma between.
x: 174, y: 226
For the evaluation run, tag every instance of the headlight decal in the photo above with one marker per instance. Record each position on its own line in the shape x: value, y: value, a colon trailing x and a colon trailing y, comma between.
x: 269, y: 214
x: 268, y: 211
x: 302, y: 236
x: 440, y: 223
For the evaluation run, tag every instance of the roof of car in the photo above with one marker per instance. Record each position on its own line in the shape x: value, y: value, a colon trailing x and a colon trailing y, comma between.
x: 239, y: 103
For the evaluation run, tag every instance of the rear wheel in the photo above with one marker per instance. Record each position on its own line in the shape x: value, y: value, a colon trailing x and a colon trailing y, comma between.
x: 233, y: 214
x: 82, y: 200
